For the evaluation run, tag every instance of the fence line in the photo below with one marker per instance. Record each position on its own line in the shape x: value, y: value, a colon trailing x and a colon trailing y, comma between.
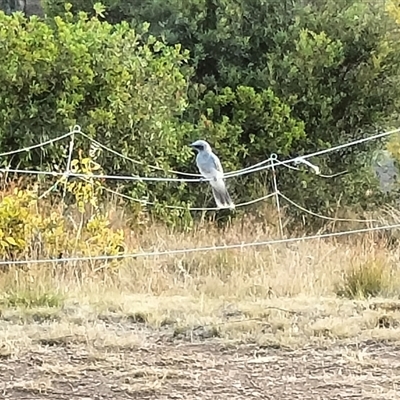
x: 41, y: 144
x: 146, y: 202
x: 272, y: 162
x: 117, y: 153
x: 199, y: 249
x: 323, y: 216
x: 248, y: 170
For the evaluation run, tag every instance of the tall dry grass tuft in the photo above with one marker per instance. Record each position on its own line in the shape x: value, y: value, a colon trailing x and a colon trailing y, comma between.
x: 311, y: 268
x: 203, y: 287
x: 365, y: 280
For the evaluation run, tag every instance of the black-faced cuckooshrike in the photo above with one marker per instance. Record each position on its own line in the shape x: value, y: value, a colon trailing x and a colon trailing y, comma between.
x: 210, y: 167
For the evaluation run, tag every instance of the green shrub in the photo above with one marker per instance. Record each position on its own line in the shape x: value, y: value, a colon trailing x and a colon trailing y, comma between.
x: 289, y: 77
x: 124, y: 90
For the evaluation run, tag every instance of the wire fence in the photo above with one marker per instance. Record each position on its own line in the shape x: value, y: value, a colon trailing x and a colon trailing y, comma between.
x: 169, y: 252
x: 270, y: 163
x: 262, y: 165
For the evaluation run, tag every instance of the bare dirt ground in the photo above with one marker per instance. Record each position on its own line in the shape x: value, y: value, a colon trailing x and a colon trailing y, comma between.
x: 164, y: 367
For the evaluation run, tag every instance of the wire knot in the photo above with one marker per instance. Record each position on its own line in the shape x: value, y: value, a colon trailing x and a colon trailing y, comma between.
x: 301, y: 160
x: 76, y: 129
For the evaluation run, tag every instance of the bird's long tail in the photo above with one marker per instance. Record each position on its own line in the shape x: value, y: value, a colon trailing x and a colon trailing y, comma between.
x: 221, y: 195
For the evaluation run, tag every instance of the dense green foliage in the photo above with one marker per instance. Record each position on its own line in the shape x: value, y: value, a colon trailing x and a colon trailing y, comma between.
x: 121, y: 89
x: 289, y: 77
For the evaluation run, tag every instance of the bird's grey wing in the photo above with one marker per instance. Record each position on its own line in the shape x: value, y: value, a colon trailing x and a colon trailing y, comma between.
x: 217, y: 163
x: 209, y: 164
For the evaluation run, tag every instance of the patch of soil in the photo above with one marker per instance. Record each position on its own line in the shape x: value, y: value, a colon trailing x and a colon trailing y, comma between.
x: 206, y: 370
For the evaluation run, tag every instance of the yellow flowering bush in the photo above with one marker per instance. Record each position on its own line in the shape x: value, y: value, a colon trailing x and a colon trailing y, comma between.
x: 30, y: 229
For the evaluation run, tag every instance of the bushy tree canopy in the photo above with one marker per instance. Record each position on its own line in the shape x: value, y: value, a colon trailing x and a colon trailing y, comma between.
x: 120, y: 88
x: 289, y: 77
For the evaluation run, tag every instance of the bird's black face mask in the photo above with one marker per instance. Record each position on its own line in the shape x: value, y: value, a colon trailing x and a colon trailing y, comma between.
x: 198, y: 147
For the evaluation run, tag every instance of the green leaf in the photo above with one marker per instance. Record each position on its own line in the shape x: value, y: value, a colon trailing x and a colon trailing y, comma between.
x: 11, y: 240
x: 99, y: 9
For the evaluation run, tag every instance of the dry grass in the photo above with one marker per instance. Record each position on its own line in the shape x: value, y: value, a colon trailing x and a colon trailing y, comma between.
x: 65, y: 324
x: 285, y: 293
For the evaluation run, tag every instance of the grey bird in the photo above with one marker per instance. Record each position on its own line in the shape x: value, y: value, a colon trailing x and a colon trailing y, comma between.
x: 210, y: 167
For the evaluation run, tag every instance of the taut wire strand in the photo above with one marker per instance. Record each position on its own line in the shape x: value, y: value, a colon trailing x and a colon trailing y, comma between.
x: 202, y: 249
